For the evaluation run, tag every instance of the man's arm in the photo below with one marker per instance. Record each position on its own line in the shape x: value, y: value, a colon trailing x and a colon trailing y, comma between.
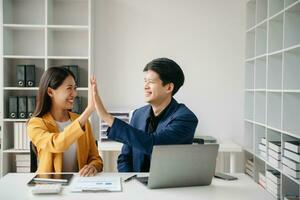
x: 180, y: 130
x: 125, y: 159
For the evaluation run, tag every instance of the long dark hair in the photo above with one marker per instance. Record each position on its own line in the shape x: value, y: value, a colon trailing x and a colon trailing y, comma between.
x: 53, y: 78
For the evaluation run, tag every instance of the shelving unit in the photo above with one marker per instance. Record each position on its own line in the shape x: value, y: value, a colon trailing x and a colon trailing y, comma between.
x: 42, y: 33
x: 261, y: 40
x: 272, y: 84
x: 275, y: 33
x: 249, y: 75
x: 122, y: 115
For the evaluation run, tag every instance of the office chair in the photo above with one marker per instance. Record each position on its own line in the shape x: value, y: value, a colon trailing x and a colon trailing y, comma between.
x: 198, y: 140
x: 33, y: 157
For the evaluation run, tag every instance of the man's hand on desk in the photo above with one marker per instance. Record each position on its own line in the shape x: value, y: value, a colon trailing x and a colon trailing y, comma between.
x: 88, y: 170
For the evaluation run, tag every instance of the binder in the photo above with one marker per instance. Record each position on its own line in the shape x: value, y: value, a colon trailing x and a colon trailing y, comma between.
x: 77, y: 106
x: 31, y: 103
x: 20, y: 136
x: 30, y: 75
x: 12, y: 107
x: 66, y: 66
x: 22, y: 104
x: 21, y: 75
x: 16, y: 135
x: 75, y: 70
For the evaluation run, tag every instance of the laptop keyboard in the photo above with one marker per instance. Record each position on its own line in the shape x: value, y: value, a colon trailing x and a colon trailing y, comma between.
x: 143, y: 180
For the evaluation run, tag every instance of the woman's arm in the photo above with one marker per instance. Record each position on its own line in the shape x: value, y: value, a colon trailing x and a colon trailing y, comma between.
x: 83, y: 118
x: 94, y: 161
x: 102, y: 112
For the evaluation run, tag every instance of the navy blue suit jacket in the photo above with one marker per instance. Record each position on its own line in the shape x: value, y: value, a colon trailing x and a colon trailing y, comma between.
x: 177, y: 126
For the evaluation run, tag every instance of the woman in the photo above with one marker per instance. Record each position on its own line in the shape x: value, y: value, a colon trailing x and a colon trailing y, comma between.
x: 63, y: 139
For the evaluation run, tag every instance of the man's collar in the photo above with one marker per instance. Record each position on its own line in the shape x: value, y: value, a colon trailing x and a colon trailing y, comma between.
x: 165, y: 110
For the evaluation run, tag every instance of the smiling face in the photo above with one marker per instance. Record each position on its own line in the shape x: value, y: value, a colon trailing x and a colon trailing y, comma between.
x: 154, y: 90
x: 63, y: 97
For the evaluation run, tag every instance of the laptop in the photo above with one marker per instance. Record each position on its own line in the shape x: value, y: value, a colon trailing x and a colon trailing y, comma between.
x: 181, y: 166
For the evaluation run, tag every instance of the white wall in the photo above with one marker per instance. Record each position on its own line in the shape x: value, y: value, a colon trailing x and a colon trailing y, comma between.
x: 205, y: 37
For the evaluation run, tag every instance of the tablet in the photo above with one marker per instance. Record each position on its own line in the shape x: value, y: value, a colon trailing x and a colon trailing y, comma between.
x: 225, y: 176
x: 63, y: 179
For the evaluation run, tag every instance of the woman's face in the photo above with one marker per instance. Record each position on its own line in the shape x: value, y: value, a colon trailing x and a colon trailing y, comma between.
x: 63, y: 97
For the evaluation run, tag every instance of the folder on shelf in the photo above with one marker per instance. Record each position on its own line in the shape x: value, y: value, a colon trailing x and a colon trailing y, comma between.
x: 13, y: 107
x: 77, y: 106
x: 20, y: 136
x: 16, y: 135
x: 22, y: 105
x: 30, y: 75
x: 75, y: 70
x: 31, y: 103
x: 21, y: 75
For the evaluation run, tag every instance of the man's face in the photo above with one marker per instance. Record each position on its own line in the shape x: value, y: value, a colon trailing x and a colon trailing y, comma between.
x: 154, y: 90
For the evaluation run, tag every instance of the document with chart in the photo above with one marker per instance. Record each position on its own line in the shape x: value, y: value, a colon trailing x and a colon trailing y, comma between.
x: 96, y: 183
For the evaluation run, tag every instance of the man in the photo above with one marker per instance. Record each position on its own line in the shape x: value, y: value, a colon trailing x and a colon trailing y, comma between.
x: 163, y: 121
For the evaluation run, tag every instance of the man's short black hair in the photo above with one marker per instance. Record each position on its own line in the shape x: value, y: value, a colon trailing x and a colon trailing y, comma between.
x: 168, y: 70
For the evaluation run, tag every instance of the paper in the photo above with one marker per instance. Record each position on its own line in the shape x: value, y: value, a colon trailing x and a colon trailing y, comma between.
x: 96, y: 183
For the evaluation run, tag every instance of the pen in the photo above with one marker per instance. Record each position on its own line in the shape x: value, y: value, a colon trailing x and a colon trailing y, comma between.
x: 129, y: 178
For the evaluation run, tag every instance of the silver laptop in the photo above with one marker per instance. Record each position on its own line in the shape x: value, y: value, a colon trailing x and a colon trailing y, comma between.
x: 181, y: 166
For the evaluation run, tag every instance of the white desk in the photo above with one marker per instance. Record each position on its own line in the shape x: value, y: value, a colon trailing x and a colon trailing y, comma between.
x: 13, y: 187
x: 226, y: 146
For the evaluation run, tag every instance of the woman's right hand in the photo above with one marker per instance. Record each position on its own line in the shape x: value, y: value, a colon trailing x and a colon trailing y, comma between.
x: 83, y: 118
x: 101, y: 110
x: 91, y: 105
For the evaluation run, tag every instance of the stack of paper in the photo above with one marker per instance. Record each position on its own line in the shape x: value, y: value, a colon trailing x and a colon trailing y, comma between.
x: 250, y: 167
x: 273, y: 183
x: 274, y: 153
x: 291, y: 159
x: 262, y: 179
x: 262, y: 148
x: 122, y: 115
x: 22, y: 163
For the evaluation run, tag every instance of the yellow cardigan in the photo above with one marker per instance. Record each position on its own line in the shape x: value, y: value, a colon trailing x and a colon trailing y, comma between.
x: 51, y: 143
